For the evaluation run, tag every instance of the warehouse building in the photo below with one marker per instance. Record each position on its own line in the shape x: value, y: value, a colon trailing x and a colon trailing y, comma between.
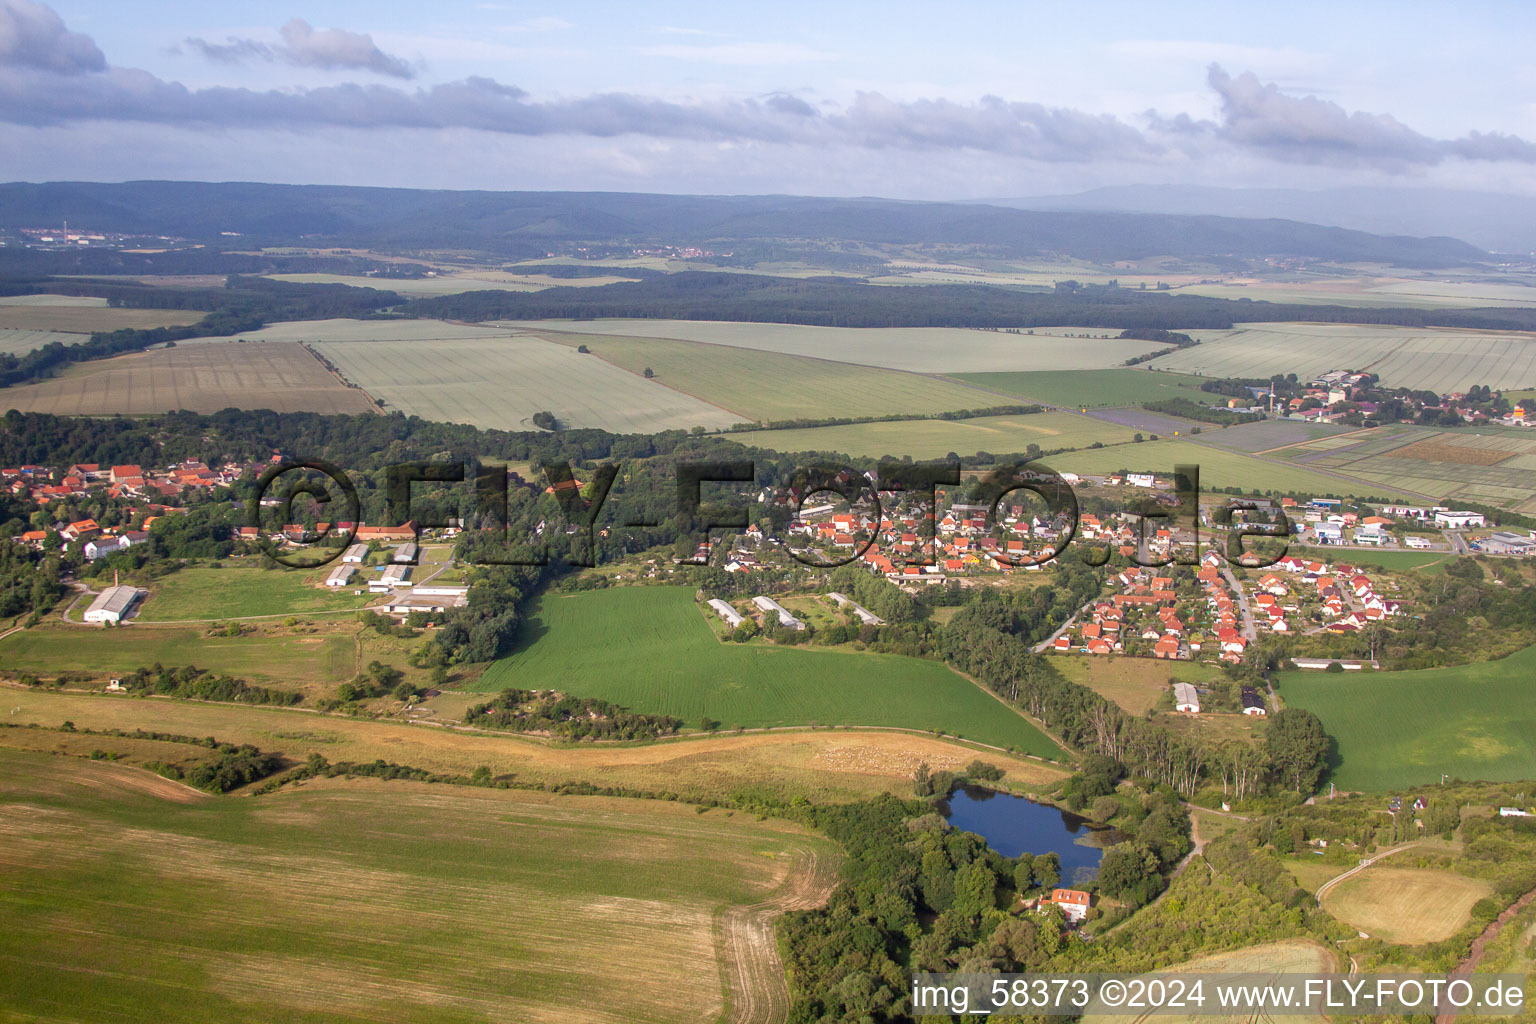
x: 112, y: 604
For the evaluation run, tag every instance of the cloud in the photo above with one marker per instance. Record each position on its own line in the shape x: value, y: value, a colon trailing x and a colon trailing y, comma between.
x: 739, y: 54
x: 1260, y: 117
x: 331, y: 49
x: 32, y: 35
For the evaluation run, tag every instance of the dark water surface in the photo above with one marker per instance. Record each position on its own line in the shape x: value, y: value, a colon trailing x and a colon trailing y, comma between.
x: 1013, y: 825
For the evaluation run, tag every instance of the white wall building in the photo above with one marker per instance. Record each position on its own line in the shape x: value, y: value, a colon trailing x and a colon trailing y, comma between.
x: 112, y: 604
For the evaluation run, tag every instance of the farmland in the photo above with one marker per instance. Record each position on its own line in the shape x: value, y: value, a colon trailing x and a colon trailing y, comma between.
x: 1219, y: 468
x: 451, y: 283
x: 1469, y: 721
x: 467, y: 905
x: 917, y: 349
x: 497, y: 379
x: 764, y: 385
x: 14, y: 342
x: 1088, y: 388
x: 1440, y: 360
x: 87, y: 319
x: 324, y: 656
x: 649, y: 649
x: 933, y: 439
x: 232, y: 593
x: 1490, y: 465
x: 823, y: 765
x: 1406, y: 905
x: 200, y: 378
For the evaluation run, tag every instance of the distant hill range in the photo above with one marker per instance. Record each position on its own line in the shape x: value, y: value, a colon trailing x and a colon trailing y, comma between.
x: 1500, y: 223
x: 521, y: 224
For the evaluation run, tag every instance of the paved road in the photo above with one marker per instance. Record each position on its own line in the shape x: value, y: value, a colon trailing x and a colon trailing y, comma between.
x: 1046, y: 643
x: 1247, y: 628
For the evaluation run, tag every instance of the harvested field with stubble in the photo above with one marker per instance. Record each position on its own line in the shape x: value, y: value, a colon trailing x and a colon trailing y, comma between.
x: 933, y: 439
x: 201, y: 378
x: 1406, y: 905
x: 382, y: 901
x: 20, y: 342
x: 89, y: 319
x: 825, y: 765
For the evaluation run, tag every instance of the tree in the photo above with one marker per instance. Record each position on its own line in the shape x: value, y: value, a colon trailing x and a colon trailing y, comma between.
x: 649, y: 373
x: 1297, y: 748
x: 1129, y: 872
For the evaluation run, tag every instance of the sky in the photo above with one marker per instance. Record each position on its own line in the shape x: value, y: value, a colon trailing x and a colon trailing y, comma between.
x: 911, y: 101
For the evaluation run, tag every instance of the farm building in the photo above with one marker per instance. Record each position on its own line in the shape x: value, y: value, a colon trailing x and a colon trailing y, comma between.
x: 1458, y: 520
x: 112, y: 604
x: 404, y: 532
x: 405, y: 602
x: 1323, y: 663
x: 768, y: 604
x: 405, y: 553
x: 731, y: 616
x: 1505, y: 543
x: 340, y: 576
x: 392, y: 577
x: 864, y: 614
x: 1513, y: 812
x: 1253, y: 703
x: 1186, y: 698
x: 357, y: 553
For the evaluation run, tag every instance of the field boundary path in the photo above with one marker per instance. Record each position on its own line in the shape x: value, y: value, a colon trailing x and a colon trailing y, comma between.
x: 1336, y: 879
x: 756, y: 989
x: 1480, y: 946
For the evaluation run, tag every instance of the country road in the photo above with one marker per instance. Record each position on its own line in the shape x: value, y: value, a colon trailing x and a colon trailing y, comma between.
x: 1336, y: 879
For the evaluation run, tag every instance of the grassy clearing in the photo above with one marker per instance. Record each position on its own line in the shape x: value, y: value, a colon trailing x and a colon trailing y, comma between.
x: 918, y: 349
x: 1311, y: 872
x: 933, y: 439
x: 1468, y: 722
x: 241, y: 592
x: 321, y: 656
x: 773, y: 386
x: 649, y: 649
x: 88, y: 319
x: 1136, y: 684
x: 1406, y: 905
x: 1291, y: 956
x: 377, y: 902
x: 1089, y: 388
x: 202, y: 378
x: 499, y: 380
x: 1440, y: 360
x: 824, y: 765
x: 1426, y: 562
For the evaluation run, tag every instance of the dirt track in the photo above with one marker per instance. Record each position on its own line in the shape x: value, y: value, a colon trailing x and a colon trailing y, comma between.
x: 756, y: 990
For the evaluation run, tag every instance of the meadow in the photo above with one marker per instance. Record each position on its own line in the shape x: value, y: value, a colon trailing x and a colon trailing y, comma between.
x: 1290, y: 956
x: 916, y: 349
x: 765, y: 386
x: 823, y: 765
x: 1135, y: 684
x: 1426, y: 562
x: 325, y: 656
x: 371, y: 901
x: 649, y: 649
x: 1089, y: 388
x: 1406, y: 905
x: 1441, y: 360
x: 1468, y: 721
x: 201, y: 378
x: 499, y: 380
x: 933, y: 439
x: 242, y: 591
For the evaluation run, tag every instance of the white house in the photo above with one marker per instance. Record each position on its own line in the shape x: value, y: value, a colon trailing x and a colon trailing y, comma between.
x: 1073, y: 903
x: 1419, y: 543
x: 1457, y: 520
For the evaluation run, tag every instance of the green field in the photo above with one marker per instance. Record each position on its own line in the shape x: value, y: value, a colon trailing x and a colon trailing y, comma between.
x: 1428, y: 562
x: 20, y: 342
x: 497, y: 379
x: 1440, y: 360
x: 1399, y: 729
x: 918, y: 349
x: 232, y: 593
x: 933, y: 439
x: 772, y: 386
x: 130, y: 899
x: 1089, y: 388
x: 649, y: 649
x: 281, y: 659
x: 1219, y: 468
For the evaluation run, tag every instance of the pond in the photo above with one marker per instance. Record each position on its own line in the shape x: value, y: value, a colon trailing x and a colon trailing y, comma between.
x: 1012, y: 825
